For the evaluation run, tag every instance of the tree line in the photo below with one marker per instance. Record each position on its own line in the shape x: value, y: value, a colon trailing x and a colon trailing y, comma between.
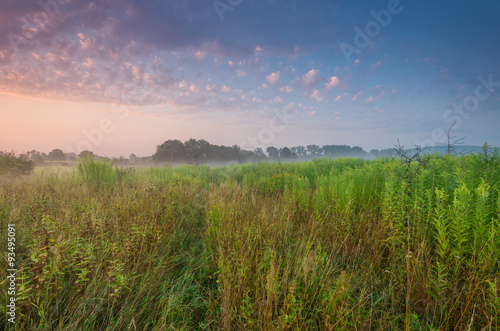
x: 200, y: 151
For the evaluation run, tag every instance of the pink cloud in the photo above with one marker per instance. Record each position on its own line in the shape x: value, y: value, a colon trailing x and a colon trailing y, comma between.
x: 334, y: 80
x: 356, y: 96
x: 315, y: 95
x: 273, y: 78
x: 376, y: 65
x: 200, y: 55
x: 311, y: 78
x: 371, y: 99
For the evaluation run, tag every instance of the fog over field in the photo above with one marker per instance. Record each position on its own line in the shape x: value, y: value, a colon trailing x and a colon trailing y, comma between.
x: 249, y: 165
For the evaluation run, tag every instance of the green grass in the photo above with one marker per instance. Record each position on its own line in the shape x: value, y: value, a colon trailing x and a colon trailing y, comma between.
x: 325, y: 244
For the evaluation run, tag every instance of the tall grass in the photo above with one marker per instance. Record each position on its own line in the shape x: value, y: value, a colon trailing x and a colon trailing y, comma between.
x: 325, y: 244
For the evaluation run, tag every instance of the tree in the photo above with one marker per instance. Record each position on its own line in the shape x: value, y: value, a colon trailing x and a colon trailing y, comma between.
x: 406, y: 159
x: 299, y: 151
x: 10, y: 164
x: 170, y: 151
x: 358, y: 151
x: 71, y: 156
x: 272, y: 152
x: 375, y: 152
x: 450, y: 145
x: 243, y: 156
x: 86, y: 153
x: 313, y: 150
x: 259, y: 152
x: 36, y: 156
x: 197, y: 151
x: 286, y: 153
x: 57, y: 155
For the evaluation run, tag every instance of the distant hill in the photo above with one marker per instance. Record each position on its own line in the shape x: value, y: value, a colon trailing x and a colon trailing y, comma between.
x: 464, y: 149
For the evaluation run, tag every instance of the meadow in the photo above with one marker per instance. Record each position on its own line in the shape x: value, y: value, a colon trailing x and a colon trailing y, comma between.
x: 317, y: 245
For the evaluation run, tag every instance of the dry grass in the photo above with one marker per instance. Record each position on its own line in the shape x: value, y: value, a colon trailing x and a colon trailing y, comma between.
x: 327, y: 245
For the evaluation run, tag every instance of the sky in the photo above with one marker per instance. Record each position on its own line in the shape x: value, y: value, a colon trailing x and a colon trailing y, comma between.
x: 122, y: 76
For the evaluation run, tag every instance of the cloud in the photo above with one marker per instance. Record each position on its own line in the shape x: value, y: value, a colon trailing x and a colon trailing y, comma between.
x: 200, y: 54
x: 334, y: 80
x: 356, y: 96
x: 310, y: 79
x: 211, y: 87
x: 338, y: 98
x: 273, y: 78
x: 172, y: 26
x: 315, y: 95
x: 286, y: 89
x: 377, y: 65
x: 376, y: 98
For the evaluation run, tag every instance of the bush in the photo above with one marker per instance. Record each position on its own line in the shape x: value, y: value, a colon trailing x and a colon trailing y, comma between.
x: 10, y: 164
x: 97, y: 174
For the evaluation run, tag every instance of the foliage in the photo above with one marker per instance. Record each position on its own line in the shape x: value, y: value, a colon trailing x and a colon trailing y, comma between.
x: 56, y: 155
x: 98, y: 174
x: 317, y: 245
x: 10, y: 164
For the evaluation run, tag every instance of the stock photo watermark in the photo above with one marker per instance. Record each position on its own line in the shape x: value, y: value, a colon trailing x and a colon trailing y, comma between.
x: 265, y: 136
x: 223, y: 6
x: 34, y: 23
x: 460, y: 111
x: 372, y: 29
x: 11, y: 273
x: 95, y: 136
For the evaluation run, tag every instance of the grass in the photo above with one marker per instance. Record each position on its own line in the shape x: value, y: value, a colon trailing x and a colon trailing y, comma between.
x: 325, y: 244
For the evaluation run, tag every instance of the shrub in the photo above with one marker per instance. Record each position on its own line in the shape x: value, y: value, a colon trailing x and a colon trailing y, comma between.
x: 10, y: 164
x: 97, y: 174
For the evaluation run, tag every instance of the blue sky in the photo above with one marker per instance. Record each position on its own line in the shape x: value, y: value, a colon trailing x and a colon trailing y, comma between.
x: 120, y: 77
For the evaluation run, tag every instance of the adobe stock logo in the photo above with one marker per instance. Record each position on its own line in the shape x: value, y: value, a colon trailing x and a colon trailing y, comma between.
x: 372, y: 29
x: 106, y: 126
x: 265, y: 136
x: 461, y: 111
x: 224, y: 6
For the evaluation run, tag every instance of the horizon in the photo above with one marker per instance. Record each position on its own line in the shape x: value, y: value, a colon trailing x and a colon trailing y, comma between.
x: 457, y: 149
x: 122, y: 77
